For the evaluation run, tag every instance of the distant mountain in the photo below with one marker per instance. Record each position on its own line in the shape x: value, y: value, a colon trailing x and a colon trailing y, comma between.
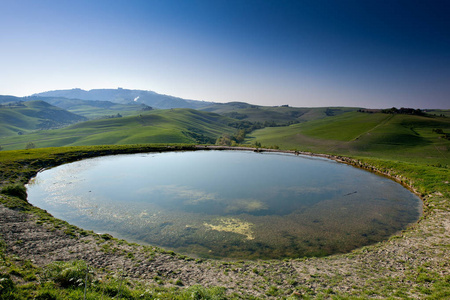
x: 93, y: 109
x: 124, y: 96
x: 22, y: 117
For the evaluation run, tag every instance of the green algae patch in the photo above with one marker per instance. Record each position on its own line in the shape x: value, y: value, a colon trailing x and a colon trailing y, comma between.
x: 233, y: 225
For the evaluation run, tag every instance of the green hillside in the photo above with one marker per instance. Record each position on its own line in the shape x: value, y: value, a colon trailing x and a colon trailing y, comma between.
x: 159, y: 126
x: 93, y: 109
x: 23, y: 117
x: 8, y: 99
x: 276, y: 115
x: 367, y: 134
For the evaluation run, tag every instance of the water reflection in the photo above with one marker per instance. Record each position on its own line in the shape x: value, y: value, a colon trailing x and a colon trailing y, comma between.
x: 228, y: 204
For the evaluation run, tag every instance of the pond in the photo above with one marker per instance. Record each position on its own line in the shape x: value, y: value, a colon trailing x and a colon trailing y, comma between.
x: 228, y: 204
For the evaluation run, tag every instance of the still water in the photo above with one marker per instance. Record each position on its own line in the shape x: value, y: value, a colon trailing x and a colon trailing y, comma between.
x: 228, y: 204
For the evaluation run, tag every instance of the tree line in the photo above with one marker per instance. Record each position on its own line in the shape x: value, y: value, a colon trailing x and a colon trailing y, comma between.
x: 403, y: 111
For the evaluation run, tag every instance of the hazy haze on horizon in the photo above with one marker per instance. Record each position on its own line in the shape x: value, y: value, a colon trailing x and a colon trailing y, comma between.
x: 371, y: 54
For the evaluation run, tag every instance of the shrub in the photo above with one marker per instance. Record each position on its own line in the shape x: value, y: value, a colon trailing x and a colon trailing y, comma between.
x: 15, y: 190
x: 68, y: 274
x: 30, y: 145
x: 7, y: 287
x: 106, y: 236
x: 46, y: 295
x: 116, y: 288
x: 199, y: 292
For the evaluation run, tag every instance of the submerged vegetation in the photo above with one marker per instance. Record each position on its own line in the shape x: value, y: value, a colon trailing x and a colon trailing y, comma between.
x: 233, y: 225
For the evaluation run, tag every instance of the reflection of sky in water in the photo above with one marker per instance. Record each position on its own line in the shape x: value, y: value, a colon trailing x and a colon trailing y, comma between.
x: 144, y: 190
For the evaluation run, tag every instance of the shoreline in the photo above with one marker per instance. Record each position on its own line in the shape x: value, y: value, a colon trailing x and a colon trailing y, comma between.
x: 370, y: 268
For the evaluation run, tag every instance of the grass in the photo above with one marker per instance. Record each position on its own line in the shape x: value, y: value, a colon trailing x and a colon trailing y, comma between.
x: 345, y: 127
x: 280, y: 115
x: 74, y: 280
x: 173, y: 126
x: 26, y: 117
x: 94, y: 109
x: 392, y: 137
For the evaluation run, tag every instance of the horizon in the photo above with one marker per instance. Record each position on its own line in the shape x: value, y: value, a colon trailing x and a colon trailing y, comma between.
x: 278, y: 105
x: 303, y: 54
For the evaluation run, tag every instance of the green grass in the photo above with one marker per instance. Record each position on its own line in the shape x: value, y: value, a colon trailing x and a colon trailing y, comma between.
x: 345, y: 127
x: 93, y: 109
x: 29, y: 116
x: 279, y: 115
x: 158, y: 126
x: 401, y: 137
x: 75, y: 280
x: 97, y: 113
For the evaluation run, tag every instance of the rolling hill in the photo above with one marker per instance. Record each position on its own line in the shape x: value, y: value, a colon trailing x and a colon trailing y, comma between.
x: 158, y: 126
x: 18, y: 118
x: 366, y: 134
x: 325, y: 130
x: 93, y: 109
x: 125, y: 96
x: 274, y: 115
x: 9, y: 99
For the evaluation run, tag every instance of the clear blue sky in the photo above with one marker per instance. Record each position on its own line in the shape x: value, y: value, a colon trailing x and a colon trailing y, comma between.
x: 302, y: 53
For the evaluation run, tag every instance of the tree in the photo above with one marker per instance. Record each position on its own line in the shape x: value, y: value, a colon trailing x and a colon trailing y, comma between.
x: 240, y: 136
x: 224, y: 140
x: 30, y: 145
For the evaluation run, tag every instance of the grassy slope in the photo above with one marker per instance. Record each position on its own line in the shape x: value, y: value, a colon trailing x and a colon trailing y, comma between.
x: 159, y: 126
x: 403, y: 137
x: 13, y: 121
x: 92, y: 112
x: 33, y: 115
x: 278, y: 114
x: 93, y: 109
x: 439, y: 112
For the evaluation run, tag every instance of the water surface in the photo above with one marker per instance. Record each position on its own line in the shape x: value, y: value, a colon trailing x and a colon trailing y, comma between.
x: 228, y: 204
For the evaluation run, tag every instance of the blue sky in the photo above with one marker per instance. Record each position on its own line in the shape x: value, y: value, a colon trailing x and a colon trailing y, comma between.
x: 302, y: 53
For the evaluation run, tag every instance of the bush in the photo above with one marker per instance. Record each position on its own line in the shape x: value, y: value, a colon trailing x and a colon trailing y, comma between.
x: 46, y: 295
x: 30, y: 145
x: 115, y: 288
x: 7, y: 287
x: 68, y: 274
x: 197, y: 292
x: 106, y: 236
x: 15, y: 190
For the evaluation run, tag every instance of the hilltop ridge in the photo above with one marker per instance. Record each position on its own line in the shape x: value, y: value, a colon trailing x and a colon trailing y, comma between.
x: 126, y: 96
